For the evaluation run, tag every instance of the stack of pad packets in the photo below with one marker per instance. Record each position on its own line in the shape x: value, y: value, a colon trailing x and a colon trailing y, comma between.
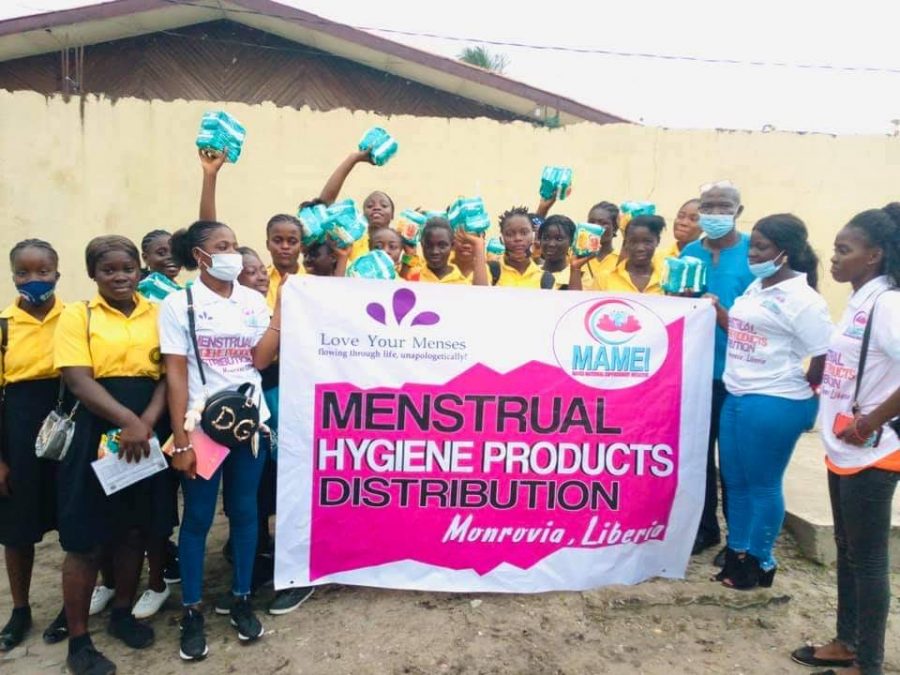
x: 341, y: 222
x: 373, y: 265
x: 631, y: 210
x: 684, y: 275
x: 155, y: 287
x: 469, y: 215
x: 220, y: 132
x: 556, y: 181
x: 588, y: 239
x: 380, y: 145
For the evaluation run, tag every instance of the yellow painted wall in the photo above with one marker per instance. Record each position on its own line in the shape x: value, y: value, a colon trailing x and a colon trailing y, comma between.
x: 70, y: 171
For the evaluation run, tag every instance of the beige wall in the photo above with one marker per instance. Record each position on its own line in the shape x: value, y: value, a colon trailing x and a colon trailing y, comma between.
x: 70, y: 171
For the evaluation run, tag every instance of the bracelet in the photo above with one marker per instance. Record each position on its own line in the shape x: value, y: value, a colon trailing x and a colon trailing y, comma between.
x: 177, y: 451
x: 277, y: 330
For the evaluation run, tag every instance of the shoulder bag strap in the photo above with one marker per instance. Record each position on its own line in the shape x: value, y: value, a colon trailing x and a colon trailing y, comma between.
x: 62, y: 381
x: 192, y: 328
x: 4, y: 340
x: 863, y: 352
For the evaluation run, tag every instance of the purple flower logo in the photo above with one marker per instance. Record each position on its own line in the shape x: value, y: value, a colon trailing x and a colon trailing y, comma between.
x: 403, y: 302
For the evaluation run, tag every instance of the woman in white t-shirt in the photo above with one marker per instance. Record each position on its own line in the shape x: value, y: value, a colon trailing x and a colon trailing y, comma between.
x: 863, y: 450
x: 778, y: 322
x: 236, y: 339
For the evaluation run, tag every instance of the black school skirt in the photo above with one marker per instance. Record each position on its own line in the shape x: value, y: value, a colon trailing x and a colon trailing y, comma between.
x: 87, y: 517
x: 30, y: 510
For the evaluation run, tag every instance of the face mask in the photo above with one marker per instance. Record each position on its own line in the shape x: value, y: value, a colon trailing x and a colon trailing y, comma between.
x: 717, y: 225
x: 766, y: 269
x: 36, y: 292
x: 225, y: 266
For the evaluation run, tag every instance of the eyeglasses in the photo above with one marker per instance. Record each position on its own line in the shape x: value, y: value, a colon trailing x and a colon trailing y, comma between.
x: 706, y: 187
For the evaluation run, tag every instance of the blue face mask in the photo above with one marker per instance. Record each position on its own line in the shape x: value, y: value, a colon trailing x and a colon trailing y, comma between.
x: 36, y: 292
x: 766, y: 269
x: 716, y: 225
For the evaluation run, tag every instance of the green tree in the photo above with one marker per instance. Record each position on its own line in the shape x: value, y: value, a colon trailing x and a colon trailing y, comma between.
x: 482, y: 57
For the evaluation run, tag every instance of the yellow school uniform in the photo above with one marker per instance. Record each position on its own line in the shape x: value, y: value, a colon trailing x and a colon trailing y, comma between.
x: 360, y: 247
x: 452, y: 277
x: 275, y: 278
x: 118, y: 346
x: 470, y: 277
x: 596, y: 269
x: 672, y: 252
x: 511, y: 277
x: 619, y: 281
x: 29, y: 344
x: 561, y: 279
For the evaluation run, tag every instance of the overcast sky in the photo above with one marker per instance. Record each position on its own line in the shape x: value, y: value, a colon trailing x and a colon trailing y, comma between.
x: 668, y: 93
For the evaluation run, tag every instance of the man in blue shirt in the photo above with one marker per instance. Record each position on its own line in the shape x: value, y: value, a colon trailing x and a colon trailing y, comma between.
x: 724, y: 250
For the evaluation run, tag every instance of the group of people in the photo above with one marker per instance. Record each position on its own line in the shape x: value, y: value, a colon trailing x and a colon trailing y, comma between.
x: 120, y: 361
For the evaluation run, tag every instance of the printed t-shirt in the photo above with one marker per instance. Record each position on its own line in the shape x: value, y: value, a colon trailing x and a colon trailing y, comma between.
x: 227, y: 331
x: 119, y: 345
x: 879, y: 380
x: 452, y: 277
x: 726, y: 280
x: 29, y: 344
x: 619, y: 281
x: 770, y: 332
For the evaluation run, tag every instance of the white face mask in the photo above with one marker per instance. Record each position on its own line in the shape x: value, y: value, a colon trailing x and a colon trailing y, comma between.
x: 225, y: 266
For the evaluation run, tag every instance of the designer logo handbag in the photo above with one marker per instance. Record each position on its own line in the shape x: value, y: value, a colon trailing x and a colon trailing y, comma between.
x: 230, y: 417
x: 56, y: 432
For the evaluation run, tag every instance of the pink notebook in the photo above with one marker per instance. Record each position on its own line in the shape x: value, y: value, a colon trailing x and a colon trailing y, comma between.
x: 210, y: 454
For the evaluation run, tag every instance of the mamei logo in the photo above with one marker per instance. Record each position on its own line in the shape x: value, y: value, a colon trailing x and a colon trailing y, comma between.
x: 610, y: 344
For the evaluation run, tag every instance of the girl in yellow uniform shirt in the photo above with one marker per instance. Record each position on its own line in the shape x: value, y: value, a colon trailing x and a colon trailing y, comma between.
x: 437, y: 244
x: 108, y: 352
x: 30, y: 389
x: 639, y: 272
x: 516, y: 268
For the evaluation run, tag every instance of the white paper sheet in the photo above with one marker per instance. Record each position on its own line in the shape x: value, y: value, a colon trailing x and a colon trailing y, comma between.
x: 117, y: 474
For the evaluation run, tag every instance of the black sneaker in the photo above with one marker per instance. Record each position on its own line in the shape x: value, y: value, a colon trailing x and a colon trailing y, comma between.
x: 88, y: 661
x: 193, y: 638
x: 289, y: 599
x: 58, y: 630
x: 129, y: 630
x: 15, y: 630
x: 242, y: 617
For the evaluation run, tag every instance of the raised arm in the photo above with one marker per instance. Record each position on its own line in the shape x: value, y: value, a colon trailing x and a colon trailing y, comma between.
x: 545, y: 205
x: 335, y: 182
x: 211, y: 163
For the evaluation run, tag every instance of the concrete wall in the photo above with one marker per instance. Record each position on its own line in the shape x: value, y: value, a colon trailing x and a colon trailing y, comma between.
x: 70, y: 171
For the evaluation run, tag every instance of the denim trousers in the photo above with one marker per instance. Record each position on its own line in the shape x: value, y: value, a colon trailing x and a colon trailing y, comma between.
x: 757, y: 435
x: 241, y: 472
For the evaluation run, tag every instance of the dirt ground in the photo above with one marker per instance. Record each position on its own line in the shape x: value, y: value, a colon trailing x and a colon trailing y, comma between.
x: 658, y: 628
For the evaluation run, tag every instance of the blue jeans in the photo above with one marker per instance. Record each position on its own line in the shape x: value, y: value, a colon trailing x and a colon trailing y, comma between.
x: 242, y: 472
x: 757, y: 435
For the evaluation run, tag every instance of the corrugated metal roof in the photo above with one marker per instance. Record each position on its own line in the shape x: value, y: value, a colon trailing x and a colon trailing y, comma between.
x: 52, y: 31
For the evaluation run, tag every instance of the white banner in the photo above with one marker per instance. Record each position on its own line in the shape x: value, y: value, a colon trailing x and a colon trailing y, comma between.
x: 488, y: 439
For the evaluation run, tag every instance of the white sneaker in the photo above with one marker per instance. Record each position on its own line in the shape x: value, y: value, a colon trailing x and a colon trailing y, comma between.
x: 100, y: 598
x: 150, y: 602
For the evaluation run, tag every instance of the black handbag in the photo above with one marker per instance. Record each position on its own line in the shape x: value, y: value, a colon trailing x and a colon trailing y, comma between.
x: 230, y: 417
